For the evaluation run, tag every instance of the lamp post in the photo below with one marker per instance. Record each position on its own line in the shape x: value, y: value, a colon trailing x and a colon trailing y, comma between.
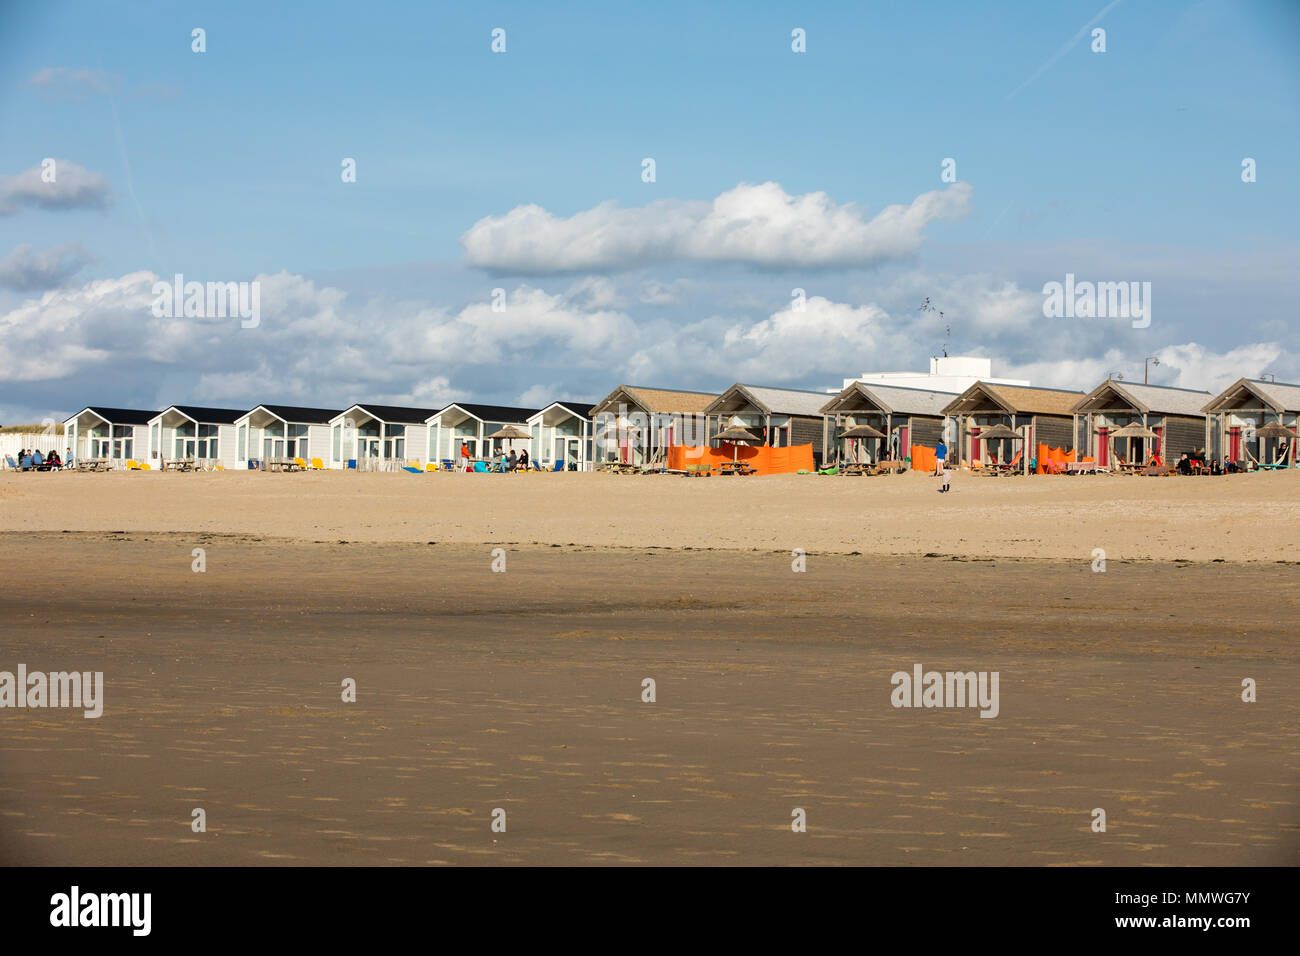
x: 1150, y: 360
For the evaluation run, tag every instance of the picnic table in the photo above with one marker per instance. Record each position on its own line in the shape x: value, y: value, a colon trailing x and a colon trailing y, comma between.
x: 279, y: 464
x: 92, y: 464
x: 178, y: 464
x: 736, y: 468
x: 1080, y: 467
x: 891, y: 465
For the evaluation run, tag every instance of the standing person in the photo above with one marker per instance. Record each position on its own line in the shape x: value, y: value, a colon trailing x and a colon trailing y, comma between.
x: 941, y: 465
x: 464, y: 455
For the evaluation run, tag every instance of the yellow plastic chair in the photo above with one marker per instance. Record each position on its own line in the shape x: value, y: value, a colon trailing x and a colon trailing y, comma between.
x: 144, y: 466
x: 219, y: 467
x: 318, y: 464
x: 300, y: 463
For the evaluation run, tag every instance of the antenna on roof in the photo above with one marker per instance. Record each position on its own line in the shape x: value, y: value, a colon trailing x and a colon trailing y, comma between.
x: 947, y: 329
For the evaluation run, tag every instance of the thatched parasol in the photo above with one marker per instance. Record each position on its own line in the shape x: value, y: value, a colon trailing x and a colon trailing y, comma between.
x: 736, y: 434
x: 999, y: 432
x: 510, y: 433
x: 1274, y: 430
x: 1133, y: 430
x: 863, y: 431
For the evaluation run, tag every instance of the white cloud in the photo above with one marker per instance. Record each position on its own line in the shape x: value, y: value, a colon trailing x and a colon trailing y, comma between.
x: 74, y: 187
x: 758, y: 225
x: 26, y: 270
x: 1194, y: 366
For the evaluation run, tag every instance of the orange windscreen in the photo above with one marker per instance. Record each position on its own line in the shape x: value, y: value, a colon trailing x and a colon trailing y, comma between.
x: 763, y: 459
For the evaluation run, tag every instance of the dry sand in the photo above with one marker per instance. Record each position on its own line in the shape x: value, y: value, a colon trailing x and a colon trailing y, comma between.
x: 522, y: 690
x: 1233, y: 518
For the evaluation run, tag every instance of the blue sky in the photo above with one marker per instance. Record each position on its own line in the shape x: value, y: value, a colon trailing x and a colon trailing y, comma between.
x: 225, y: 165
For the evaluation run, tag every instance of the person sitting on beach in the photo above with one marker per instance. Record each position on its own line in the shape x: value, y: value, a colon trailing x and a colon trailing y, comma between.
x: 52, y: 459
x: 37, y: 459
x: 1184, y: 465
x: 523, y: 460
x: 1216, y: 466
x: 512, y: 462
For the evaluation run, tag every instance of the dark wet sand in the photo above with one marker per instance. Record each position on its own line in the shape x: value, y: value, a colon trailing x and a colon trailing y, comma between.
x: 523, y: 691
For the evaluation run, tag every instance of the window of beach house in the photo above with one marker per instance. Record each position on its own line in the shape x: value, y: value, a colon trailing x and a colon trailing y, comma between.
x: 338, y: 442
x: 295, y: 442
x: 207, y: 441
x: 394, y: 441
x: 241, y: 442
x: 123, y: 441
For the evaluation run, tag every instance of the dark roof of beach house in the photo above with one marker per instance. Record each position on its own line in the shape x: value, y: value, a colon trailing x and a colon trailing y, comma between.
x: 217, y: 416
x: 398, y: 414
x: 120, y: 416
x: 296, y: 413
x: 493, y: 413
x: 582, y: 409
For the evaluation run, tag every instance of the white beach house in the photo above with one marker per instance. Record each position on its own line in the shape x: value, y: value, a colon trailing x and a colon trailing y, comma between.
x: 284, y: 431
x: 118, y: 434
x: 562, y: 432
x: 379, y: 436
x: 469, y: 424
x: 205, y: 436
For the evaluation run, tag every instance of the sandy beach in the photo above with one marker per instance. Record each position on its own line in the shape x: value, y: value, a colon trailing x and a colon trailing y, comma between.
x: 1229, y: 518
x: 523, y: 690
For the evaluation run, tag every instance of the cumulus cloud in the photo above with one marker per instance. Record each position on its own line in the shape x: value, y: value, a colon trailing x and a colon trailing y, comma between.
x: 1194, y: 366
x: 759, y: 225
x: 72, y: 187
x: 99, y: 341
x: 26, y: 270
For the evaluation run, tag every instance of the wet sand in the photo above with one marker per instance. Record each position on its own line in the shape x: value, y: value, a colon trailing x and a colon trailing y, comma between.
x: 522, y: 691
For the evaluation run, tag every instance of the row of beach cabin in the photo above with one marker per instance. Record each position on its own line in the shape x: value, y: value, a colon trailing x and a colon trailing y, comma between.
x: 638, y: 425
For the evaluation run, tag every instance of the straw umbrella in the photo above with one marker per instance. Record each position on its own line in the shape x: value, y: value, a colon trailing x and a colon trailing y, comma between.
x: 1131, y: 431
x: 736, y: 434
x: 1001, y: 433
x: 859, y: 432
x: 510, y: 433
x: 1277, y: 430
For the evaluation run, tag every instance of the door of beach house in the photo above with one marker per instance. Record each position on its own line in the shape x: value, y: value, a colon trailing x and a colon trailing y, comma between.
x: 1103, y: 447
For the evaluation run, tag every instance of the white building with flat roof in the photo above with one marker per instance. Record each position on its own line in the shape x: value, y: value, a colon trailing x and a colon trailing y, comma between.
x: 948, y: 373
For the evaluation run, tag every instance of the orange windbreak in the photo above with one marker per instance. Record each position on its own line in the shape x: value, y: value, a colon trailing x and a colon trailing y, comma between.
x: 923, y: 459
x: 1057, y: 456
x: 764, y: 460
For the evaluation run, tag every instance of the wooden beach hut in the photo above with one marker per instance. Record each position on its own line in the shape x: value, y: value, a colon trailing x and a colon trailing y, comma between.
x: 1174, y: 415
x: 1046, y: 413
x: 112, y: 434
x: 781, y: 417
x: 286, y: 431
x: 379, y: 437
x: 562, y: 433
x: 203, y: 436
x: 637, y: 425
x: 906, y: 416
x: 469, y: 423
x: 1234, y: 416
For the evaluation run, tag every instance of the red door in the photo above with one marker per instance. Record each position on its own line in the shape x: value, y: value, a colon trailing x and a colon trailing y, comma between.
x: 1103, y: 448
x: 1234, y: 444
x: 975, y: 444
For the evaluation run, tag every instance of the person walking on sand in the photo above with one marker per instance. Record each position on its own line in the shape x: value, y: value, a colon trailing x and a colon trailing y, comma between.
x: 941, y: 466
